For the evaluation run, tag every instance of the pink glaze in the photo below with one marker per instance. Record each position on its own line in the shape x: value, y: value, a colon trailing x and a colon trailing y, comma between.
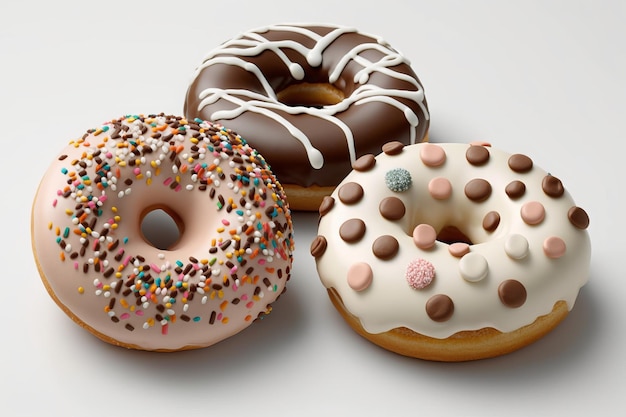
x: 230, y: 263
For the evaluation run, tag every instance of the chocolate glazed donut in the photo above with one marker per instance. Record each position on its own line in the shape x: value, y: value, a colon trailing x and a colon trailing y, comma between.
x: 312, y: 99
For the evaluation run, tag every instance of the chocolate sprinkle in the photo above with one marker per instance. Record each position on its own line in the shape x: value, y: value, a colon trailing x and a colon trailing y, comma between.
x: 385, y: 247
x: 318, y: 246
x: 393, y: 148
x: 364, y: 163
x: 491, y: 221
x: 552, y: 186
x: 477, y: 155
x: 352, y: 230
x: 520, y: 163
x: 392, y: 208
x: 512, y: 293
x: 478, y: 190
x: 515, y: 189
x: 350, y: 193
x: 439, y: 307
x: 578, y: 217
x: 327, y: 203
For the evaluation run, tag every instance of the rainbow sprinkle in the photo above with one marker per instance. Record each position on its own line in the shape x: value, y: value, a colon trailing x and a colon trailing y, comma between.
x: 172, y: 156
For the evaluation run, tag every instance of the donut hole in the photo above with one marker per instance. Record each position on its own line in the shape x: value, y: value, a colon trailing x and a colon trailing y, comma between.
x: 310, y: 95
x: 161, y: 227
x: 452, y: 234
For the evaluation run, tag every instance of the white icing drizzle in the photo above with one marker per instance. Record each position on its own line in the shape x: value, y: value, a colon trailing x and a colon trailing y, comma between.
x: 254, y: 44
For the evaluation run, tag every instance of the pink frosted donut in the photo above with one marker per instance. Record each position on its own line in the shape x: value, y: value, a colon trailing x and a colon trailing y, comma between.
x: 451, y: 251
x: 232, y: 258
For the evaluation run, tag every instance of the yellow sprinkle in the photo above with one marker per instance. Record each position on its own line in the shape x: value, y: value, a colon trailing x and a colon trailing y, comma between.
x: 50, y: 226
x: 69, y: 212
x: 114, y: 210
x: 81, y: 290
x: 124, y: 303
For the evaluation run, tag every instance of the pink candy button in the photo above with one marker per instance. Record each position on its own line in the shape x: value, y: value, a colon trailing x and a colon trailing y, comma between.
x: 424, y: 236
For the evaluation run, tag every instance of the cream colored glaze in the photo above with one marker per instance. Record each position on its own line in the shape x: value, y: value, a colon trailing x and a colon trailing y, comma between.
x: 206, y: 225
x: 515, y: 250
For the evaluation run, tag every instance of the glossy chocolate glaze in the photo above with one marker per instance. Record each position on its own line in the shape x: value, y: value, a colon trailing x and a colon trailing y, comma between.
x: 384, y: 99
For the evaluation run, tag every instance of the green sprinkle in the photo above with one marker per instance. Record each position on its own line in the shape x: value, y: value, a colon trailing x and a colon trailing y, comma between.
x: 398, y: 180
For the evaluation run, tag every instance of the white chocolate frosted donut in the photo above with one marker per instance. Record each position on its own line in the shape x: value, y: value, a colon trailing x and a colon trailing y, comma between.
x: 232, y: 258
x: 304, y: 96
x: 469, y: 250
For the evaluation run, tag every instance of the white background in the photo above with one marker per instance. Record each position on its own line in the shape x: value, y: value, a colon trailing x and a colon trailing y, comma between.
x: 544, y: 78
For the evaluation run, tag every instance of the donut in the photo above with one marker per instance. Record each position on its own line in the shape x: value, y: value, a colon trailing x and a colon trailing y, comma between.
x: 306, y: 97
x: 451, y: 251
x: 230, y: 262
